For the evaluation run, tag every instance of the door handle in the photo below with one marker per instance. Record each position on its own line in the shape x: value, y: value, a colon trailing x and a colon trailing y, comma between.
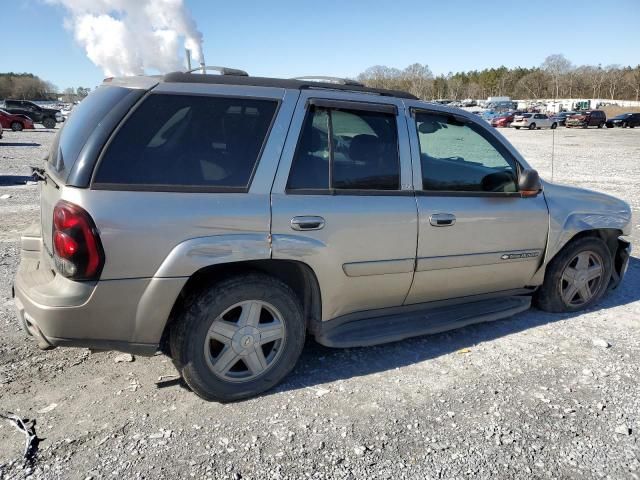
x: 442, y: 219
x: 307, y: 223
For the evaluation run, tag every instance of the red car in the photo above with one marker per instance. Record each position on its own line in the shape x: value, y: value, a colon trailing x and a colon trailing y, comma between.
x: 503, y: 120
x: 15, y: 122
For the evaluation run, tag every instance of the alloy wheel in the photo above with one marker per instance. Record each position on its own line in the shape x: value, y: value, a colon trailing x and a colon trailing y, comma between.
x: 581, y: 279
x: 245, y: 341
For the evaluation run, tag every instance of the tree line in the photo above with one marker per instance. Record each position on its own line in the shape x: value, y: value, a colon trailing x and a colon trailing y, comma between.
x: 556, y: 77
x: 27, y: 86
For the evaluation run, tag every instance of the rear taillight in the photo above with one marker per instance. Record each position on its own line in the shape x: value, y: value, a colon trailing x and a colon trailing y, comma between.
x: 77, y: 250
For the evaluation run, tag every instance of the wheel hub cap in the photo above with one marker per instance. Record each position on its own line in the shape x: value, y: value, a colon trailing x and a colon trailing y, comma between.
x: 244, y: 341
x: 581, y: 278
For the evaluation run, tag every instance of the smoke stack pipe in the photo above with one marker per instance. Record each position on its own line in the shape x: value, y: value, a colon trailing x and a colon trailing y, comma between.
x: 188, y: 55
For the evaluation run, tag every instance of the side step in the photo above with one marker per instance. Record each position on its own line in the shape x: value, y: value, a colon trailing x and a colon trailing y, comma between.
x: 392, y: 328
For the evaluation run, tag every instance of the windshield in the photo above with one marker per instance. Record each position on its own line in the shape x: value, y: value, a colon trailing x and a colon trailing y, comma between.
x: 623, y: 115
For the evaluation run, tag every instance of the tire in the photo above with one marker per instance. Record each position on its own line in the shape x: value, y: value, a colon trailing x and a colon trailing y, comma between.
x: 555, y: 294
x: 624, y: 124
x: 16, y: 126
x: 197, y: 351
x: 532, y: 126
x: 49, y: 122
x: 609, y: 125
x: 554, y: 125
x: 601, y: 124
x: 517, y: 128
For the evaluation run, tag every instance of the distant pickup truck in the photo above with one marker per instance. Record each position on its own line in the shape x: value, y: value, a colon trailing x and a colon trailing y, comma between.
x: 46, y: 116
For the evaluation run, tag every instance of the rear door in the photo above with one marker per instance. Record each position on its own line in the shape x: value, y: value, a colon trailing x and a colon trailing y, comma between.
x: 477, y: 234
x: 342, y: 200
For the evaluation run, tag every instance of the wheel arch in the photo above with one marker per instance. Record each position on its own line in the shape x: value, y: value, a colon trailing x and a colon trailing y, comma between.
x: 299, y: 276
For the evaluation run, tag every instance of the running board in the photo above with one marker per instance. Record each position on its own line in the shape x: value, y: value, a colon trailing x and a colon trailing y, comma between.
x: 392, y: 328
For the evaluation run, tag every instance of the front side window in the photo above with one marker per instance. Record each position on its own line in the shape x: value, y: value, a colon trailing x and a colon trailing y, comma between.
x: 191, y: 141
x: 346, y: 150
x: 458, y: 156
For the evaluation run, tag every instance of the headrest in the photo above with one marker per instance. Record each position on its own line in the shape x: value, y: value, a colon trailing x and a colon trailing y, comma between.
x: 363, y: 147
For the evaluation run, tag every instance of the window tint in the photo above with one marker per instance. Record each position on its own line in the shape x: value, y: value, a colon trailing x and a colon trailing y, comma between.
x: 458, y: 156
x: 179, y: 140
x: 358, y: 150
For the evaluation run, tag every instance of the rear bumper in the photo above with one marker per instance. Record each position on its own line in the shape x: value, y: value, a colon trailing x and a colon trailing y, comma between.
x: 127, y: 315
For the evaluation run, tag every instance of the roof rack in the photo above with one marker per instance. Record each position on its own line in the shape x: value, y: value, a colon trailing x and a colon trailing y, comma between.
x: 221, y: 70
x: 337, y: 80
x: 243, y: 80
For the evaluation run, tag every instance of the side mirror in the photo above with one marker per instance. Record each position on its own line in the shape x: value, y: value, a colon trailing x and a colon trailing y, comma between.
x: 529, y: 183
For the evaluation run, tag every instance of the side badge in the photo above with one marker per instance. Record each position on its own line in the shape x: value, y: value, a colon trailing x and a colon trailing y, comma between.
x: 515, y: 256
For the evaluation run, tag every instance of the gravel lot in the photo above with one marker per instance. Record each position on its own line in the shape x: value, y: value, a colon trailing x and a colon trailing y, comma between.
x: 528, y: 397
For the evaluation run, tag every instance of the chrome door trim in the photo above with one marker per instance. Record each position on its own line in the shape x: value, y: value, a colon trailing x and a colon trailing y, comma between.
x: 424, y: 264
x: 379, y: 267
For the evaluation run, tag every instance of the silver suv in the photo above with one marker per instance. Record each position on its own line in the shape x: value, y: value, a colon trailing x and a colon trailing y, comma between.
x: 222, y: 218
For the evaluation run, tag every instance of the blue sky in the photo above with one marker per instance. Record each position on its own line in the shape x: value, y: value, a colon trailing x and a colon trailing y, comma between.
x: 342, y: 38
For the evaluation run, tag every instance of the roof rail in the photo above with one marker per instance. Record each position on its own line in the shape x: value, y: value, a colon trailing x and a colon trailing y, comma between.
x: 338, y: 80
x: 221, y: 70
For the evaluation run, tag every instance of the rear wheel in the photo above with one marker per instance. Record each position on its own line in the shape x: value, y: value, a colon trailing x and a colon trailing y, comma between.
x: 16, y: 126
x: 238, y: 338
x: 601, y: 124
x: 532, y: 126
x: 517, y: 128
x: 554, y: 125
x: 577, y: 277
x: 624, y: 124
x: 49, y: 122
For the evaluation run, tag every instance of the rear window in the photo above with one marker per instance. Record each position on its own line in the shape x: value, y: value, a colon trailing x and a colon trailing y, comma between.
x: 525, y: 115
x: 173, y: 141
x: 83, y: 120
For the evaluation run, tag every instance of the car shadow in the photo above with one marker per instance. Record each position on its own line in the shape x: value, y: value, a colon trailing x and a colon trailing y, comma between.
x: 7, y: 180
x: 318, y: 364
x: 19, y: 144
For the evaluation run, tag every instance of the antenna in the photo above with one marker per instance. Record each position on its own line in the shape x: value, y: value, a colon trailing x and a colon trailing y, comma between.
x: 553, y: 149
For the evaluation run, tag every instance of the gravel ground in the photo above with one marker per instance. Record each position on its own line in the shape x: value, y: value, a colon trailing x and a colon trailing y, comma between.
x: 534, y: 396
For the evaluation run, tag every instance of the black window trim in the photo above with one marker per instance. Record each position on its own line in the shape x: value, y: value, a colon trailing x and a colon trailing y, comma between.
x: 487, y: 135
x: 348, y: 106
x: 137, y: 187
x: 334, y: 104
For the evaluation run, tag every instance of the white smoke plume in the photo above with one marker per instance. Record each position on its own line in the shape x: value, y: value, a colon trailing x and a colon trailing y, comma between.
x: 129, y: 37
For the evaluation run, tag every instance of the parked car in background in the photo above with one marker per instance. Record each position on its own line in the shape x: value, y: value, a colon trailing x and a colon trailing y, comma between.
x: 46, y: 116
x: 588, y: 118
x: 561, y: 118
x: 624, y: 120
x: 533, y: 121
x: 503, y: 120
x: 15, y: 122
x: 0, y: 131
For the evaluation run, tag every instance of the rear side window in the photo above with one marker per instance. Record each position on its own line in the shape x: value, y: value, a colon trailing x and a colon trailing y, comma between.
x: 81, y: 123
x: 173, y: 141
x: 346, y: 150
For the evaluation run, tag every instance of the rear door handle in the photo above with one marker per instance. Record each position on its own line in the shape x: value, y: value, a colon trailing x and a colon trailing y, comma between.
x: 307, y: 223
x: 442, y: 219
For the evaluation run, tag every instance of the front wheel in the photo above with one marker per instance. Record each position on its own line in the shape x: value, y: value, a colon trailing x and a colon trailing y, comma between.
x: 577, y: 277
x: 554, y: 125
x: 532, y: 126
x: 624, y: 124
x: 49, y: 122
x: 238, y: 338
x: 16, y: 126
x: 517, y: 128
x: 601, y: 124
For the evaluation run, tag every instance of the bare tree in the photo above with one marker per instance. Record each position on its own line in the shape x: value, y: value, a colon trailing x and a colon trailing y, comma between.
x: 632, y: 80
x: 556, y: 66
x: 613, y: 79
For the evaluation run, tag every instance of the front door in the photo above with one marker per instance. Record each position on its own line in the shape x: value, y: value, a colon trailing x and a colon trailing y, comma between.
x: 342, y: 201
x: 477, y: 234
